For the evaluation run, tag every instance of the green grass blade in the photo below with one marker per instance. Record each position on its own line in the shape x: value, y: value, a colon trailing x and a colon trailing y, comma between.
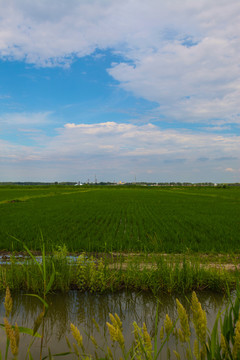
x: 156, y: 328
x: 44, y: 267
x: 51, y: 280
x: 39, y: 298
x: 166, y: 338
x: 23, y: 330
x: 214, y: 336
x: 28, y: 331
x: 61, y: 354
x: 29, y: 253
x: 30, y: 356
x: 7, y: 347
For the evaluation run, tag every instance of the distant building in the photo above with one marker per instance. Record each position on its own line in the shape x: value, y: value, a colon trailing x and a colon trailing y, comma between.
x: 78, y: 183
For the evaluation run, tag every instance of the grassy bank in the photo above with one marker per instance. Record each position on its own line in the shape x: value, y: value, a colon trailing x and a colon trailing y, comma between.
x: 105, y: 219
x: 156, y: 273
x: 146, y: 272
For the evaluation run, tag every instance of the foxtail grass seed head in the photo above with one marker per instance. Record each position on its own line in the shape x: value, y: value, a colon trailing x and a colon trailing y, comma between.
x: 13, y: 336
x: 168, y: 324
x: 181, y: 336
x: 236, y: 345
x: 115, y: 329
x: 196, y: 349
x: 14, y: 346
x: 140, y: 345
x: 113, y: 320
x: 8, y: 327
x: 147, y: 339
x: 175, y: 333
x: 38, y: 322
x: 76, y: 334
x: 223, y: 345
x: 112, y: 331
x: 162, y: 333
x: 136, y: 330
x: 17, y: 336
x: 96, y: 325
x: 199, y: 319
x: 94, y: 341
x: 176, y: 354
x: 14, y: 341
x: 184, y: 333
x: 120, y: 337
x: 8, y: 302
x: 119, y: 322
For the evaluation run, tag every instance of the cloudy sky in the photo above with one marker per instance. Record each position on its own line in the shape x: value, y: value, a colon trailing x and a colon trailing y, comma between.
x: 120, y: 89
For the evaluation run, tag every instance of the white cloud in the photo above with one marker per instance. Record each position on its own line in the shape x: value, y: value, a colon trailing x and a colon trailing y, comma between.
x: 24, y: 118
x: 121, y: 151
x: 14, y: 153
x: 230, y: 170
x: 216, y: 128
x: 184, y: 55
x: 127, y: 141
x: 194, y: 84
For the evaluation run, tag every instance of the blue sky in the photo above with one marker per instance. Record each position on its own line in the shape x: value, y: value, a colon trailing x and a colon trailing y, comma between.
x: 120, y: 89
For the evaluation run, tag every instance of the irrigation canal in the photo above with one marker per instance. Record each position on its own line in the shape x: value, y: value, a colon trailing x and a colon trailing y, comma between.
x: 79, y: 309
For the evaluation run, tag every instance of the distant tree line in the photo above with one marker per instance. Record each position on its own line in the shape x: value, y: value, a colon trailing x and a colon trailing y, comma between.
x: 108, y: 183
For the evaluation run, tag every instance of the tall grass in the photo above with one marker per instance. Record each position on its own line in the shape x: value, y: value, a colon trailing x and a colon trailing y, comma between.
x: 101, y: 274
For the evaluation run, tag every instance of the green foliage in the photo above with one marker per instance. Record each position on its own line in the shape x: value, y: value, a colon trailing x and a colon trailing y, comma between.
x: 227, y: 345
x: 150, y: 219
x: 91, y: 274
x: 54, y: 272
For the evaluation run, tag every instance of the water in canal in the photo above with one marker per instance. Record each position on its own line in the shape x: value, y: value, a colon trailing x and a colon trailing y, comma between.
x: 79, y: 309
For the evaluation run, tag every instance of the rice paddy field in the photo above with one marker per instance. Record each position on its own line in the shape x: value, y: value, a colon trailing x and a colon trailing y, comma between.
x: 159, y: 241
x: 121, y: 218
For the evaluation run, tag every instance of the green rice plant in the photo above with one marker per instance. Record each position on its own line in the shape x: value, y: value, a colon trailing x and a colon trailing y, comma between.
x: 170, y: 220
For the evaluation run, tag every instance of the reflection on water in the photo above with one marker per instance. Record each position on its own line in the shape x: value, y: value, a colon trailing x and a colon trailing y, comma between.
x: 80, y: 308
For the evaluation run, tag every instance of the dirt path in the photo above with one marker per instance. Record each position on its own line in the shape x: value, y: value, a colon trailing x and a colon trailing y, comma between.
x: 121, y: 260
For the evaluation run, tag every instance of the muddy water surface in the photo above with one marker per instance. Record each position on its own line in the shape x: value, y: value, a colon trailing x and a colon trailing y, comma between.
x: 79, y: 309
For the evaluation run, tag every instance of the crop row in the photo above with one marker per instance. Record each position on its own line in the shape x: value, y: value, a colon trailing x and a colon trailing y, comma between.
x: 122, y: 219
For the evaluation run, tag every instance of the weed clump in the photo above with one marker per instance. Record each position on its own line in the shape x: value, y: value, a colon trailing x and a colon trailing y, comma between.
x: 101, y: 274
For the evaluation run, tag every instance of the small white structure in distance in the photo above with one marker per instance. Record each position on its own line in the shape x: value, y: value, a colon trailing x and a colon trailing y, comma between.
x: 78, y: 183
